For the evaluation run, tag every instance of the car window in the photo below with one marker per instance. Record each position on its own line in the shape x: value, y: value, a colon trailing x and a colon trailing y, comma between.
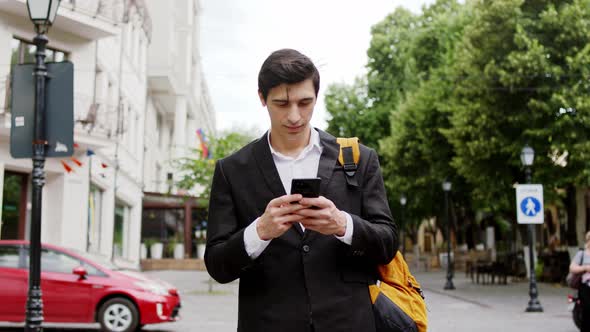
x: 9, y: 256
x: 53, y: 261
x: 91, y: 270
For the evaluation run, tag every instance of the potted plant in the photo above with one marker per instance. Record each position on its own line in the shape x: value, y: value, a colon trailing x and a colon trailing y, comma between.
x: 146, y: 245
x: 156, y: 249
x: 201, y: 239
x: 175, y: 248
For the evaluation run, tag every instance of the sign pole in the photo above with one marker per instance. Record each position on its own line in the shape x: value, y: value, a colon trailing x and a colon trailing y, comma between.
x: 34, y: 307
x: 534, y: 303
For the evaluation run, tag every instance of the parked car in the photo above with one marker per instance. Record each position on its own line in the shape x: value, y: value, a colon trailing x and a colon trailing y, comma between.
x: 83, y: 288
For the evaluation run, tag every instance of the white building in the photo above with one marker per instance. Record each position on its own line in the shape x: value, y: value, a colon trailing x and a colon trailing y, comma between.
x: 178, y: 105
x: 96, y: 207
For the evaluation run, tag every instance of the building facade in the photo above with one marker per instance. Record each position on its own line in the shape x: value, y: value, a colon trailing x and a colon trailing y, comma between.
x: 93, y: 201
x: 178, y: 106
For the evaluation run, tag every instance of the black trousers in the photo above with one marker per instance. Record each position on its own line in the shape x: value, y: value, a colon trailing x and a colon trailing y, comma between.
x: 584, y: 295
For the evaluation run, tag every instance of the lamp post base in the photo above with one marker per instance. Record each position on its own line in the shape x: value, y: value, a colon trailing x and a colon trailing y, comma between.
x: 449, y: 285
x: 534, y: 306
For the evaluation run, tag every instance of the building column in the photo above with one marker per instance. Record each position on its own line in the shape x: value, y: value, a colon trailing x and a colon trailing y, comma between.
x: 180, y: 126
x: 188, y: 234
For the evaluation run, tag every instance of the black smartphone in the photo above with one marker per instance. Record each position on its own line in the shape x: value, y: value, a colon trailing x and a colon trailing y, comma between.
x: 306, y: 187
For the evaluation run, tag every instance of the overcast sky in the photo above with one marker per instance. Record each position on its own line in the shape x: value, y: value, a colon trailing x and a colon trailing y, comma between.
x: 236, y: 37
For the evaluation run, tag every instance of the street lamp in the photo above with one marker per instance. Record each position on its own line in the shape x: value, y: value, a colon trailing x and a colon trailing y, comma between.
x: 447, y: 188
x: 527, y: 156
x: 42, y: 14
x: 402, y: 201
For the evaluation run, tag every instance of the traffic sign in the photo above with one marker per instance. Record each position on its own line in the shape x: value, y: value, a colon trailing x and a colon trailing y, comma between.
x: 59, y: 110
x: 529, y: 203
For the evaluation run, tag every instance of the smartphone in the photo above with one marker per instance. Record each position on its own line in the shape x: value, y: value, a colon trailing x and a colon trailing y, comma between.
x: 306, y: 187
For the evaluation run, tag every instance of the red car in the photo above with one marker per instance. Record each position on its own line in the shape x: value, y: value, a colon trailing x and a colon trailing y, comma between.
x: 80, y: 288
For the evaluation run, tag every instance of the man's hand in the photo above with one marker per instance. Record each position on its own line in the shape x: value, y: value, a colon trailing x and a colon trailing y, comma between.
x: 321, y: 215
x: 279, y: 216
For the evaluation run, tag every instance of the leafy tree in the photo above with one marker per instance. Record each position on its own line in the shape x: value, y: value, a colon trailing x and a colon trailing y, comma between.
x: 518, y: 64
x: 196, y: 173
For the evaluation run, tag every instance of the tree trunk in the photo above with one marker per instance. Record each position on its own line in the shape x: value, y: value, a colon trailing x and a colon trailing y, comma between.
x: 570, y: 206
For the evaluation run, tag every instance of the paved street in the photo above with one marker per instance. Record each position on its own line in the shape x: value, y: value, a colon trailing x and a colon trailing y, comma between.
x: 471, y: 307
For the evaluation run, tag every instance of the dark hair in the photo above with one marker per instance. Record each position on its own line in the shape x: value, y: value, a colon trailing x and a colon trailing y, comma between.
x: 286, y: 66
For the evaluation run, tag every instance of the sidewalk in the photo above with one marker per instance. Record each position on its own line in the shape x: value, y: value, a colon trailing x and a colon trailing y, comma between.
x: 471, y: 307
x: 486, y: 308
x: 211, y: 307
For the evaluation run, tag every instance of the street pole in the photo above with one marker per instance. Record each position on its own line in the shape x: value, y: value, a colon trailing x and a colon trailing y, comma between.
x: 534, y: 303
x: 34, y: 307
x: 449, y: 285
x: 402, y: 201
x: 402, y: 232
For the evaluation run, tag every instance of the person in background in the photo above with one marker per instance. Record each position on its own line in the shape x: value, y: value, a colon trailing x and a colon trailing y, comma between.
x: 581, y: 264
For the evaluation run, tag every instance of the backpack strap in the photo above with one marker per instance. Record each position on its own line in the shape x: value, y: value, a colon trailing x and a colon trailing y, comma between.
x: 349, y: 157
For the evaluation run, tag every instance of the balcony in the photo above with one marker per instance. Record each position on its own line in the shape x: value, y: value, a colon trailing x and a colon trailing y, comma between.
x: 89, y: 19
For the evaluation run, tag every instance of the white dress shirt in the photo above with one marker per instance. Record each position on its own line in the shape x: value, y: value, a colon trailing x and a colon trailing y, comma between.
x: 305, y: 165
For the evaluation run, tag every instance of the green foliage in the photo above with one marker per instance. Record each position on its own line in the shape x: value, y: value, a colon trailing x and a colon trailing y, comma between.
x: 456, y: 91
x: 197, y: 173
x: 515, y: 70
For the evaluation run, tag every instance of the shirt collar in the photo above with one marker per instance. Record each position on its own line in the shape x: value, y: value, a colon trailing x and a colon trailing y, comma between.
x: 314, y: 142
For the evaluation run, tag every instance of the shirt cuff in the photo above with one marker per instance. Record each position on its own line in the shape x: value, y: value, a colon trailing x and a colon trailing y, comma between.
x: 252, y: 242
x: 347, y: 237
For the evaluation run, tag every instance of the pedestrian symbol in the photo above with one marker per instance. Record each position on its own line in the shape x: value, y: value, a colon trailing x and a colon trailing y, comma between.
x: 529, y: 203
x: 530, y: 206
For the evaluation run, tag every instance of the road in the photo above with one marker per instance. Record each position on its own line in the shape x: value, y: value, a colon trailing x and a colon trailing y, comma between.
x: 211, y: 307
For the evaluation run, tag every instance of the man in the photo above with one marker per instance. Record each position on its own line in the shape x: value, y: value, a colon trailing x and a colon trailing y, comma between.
x: 304, y: 264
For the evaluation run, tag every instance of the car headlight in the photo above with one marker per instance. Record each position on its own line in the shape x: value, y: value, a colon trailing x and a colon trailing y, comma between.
x: 152, y: 288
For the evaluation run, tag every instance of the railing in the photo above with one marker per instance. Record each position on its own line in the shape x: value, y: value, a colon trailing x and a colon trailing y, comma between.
x: 111, y: 10
x: 98, y: 119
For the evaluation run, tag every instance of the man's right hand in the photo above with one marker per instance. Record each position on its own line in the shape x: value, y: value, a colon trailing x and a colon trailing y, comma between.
x: 278, y: 216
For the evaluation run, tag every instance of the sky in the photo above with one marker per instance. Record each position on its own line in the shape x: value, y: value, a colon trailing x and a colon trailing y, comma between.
x: 237, y: 36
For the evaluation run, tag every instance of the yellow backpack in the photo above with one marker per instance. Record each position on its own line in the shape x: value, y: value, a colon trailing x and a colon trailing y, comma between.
x: 398, y: 300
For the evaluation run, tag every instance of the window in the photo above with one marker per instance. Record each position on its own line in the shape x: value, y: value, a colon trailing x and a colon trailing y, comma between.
x: 94, y: 218
x: 53, y: 261
x: 91, y: 270
x: 120, y: 231
x: 24, y: 52
x: 9, y: 257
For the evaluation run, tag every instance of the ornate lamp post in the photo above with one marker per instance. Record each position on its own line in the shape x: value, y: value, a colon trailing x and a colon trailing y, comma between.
x: 449, y: 285
x: 42, y: 14
x: 527, y: 156
x: 402, y: 201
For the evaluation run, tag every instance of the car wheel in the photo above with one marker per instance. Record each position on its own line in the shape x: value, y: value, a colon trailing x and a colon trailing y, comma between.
x: 118, y: 315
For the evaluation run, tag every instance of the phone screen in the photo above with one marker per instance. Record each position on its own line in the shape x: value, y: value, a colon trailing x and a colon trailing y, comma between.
x: 306, y: 187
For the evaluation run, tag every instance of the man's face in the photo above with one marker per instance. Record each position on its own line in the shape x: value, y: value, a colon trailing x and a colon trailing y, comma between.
x: 290, y: 107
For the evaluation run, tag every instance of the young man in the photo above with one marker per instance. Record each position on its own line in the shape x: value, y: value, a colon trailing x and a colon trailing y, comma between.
x: 304, y: 264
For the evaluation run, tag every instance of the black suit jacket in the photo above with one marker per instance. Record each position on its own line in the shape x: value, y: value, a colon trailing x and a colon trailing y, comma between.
x: 301, y: 278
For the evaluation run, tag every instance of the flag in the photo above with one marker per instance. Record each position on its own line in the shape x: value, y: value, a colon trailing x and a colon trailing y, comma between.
x: 76, y: 161
x: 66, y: 166
x: 89, y: 153
x: 103, y: 165
x: 204, y: 148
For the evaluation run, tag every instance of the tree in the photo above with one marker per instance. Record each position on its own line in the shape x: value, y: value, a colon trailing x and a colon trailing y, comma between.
x: 519, y: 62
x: 196, y: 173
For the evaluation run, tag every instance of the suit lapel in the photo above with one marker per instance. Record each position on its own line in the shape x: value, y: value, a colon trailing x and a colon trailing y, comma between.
x: 267, y: 167
x: 328, y: 160
x: 271, y: 176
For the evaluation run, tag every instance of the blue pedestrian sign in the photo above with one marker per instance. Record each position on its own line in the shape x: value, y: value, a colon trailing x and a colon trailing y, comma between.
x: 530, y: 206
x: 529, y: 203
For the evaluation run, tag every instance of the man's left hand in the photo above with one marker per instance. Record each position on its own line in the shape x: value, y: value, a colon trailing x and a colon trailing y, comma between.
x: 322, y: 216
